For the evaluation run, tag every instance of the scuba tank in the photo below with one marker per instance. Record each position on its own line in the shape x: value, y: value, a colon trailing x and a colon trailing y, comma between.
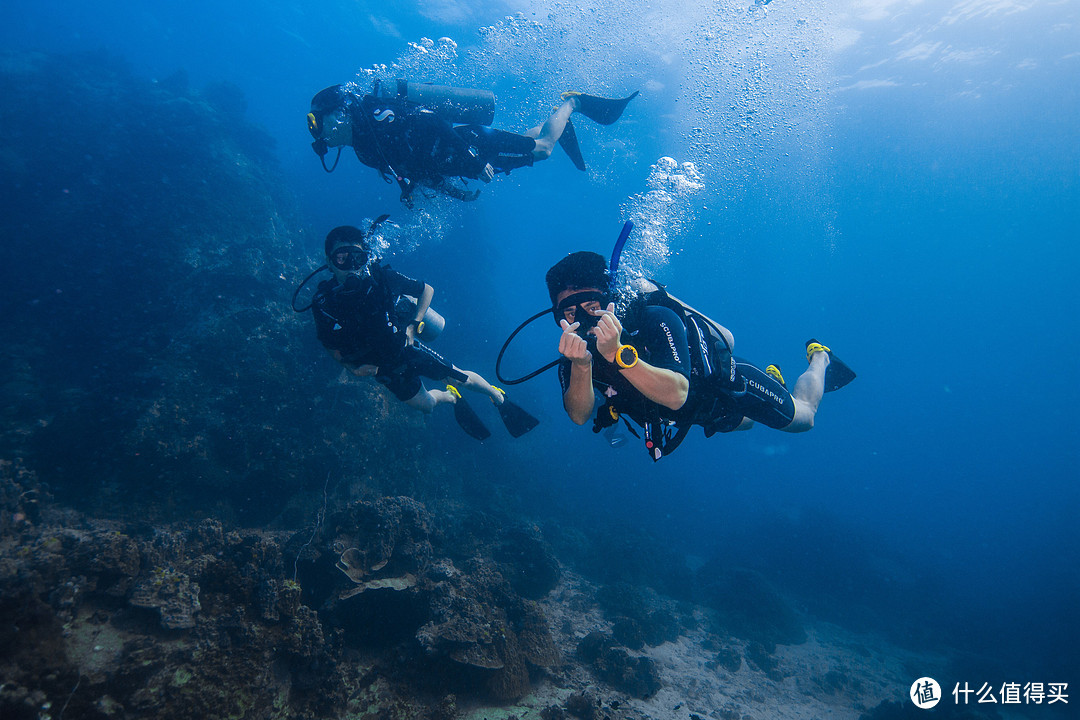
x: 456, y: 105
x: 431, y: 326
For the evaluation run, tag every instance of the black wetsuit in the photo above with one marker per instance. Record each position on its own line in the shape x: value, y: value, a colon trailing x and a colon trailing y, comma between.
x: 722, y: 390
x: 415, y: 145
x: 358, y: 320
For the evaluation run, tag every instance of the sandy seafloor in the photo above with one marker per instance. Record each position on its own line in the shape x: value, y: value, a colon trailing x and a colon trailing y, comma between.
x: 874, y: 669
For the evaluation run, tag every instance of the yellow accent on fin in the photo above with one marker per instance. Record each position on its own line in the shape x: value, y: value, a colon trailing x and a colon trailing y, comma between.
x: 773, y: 371
x: 453, y: 391
x: 815, y: 348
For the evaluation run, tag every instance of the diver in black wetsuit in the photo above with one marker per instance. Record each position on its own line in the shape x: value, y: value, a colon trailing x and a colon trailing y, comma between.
x: 409, y: 134
x: 361, y: 320
x: 356, y: 321
x: 646, y: 365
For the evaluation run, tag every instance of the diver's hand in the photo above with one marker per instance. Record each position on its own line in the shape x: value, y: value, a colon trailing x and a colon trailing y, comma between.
x: 487, y: 173
x: 410, y: 334
x: 572, y: 346
x: 608, y: 332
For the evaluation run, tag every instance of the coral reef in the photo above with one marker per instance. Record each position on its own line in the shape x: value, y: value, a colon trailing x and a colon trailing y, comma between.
x: 203, y: 622
x: 468, y: 620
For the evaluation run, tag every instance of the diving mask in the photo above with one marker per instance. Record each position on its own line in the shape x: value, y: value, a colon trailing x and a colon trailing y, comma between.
x: 348, y: 258
x: 579, y: 307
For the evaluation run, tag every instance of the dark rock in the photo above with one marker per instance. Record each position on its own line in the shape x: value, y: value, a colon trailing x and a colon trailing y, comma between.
x: 641, y: 616
x: 727, y: 658
x: 478, y: 621
x: 762, y: 658
x: 628, y: 632
x: 583, y: 706
x: 527, y: 562
x: 637, y: 676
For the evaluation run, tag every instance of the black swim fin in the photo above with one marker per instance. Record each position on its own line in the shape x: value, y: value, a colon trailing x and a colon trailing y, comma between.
x: 467, y: 418
x: 837, y: 374
x: 517, y: 421
x: 601, y: 110
x: 568, y: 141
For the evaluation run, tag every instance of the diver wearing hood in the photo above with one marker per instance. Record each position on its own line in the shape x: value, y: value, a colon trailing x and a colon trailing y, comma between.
x: 371, y: 319
x: 668, y: 367
x: 408, y: 132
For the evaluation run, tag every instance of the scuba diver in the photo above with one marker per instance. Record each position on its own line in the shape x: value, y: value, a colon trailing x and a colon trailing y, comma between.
x: 410, y: 133
x: 663, y: 364
x: 371, y: 319
x: 668, y: 367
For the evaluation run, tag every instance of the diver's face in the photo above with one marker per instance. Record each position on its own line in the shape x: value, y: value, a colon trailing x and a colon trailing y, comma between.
x: 582, y: 312
x: 346, y: 260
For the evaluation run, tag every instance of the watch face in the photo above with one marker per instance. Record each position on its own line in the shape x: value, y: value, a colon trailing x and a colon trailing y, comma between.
x: 627, y: 355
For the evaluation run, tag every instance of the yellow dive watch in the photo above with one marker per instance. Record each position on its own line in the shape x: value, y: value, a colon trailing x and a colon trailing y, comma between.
x: 626, y: 356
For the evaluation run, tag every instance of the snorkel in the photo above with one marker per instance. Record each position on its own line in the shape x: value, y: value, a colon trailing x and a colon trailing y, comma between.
x: 586, y: 320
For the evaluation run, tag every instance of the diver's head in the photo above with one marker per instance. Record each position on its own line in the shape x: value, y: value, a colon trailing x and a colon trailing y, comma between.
x: 578, y: 286
x: 329, y: 121
x: 346, y: 252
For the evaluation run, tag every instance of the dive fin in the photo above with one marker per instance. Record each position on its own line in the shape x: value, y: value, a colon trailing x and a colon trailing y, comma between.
x: 601, y: 110
x: 569, y: 142
x: 773, y: 371
x: 517, y: 421
x: 837, y: 374
x: 467, y: 418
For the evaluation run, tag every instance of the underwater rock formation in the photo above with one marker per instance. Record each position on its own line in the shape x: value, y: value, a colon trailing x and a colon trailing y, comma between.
x: 527, y: 561
x: 641, y: 617
x: 108, y: 620
x: 636, y: 676
x: 467, y: 620
x: 478, y: 621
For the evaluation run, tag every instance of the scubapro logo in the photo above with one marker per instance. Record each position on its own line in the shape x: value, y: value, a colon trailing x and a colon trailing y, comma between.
x: 671, y: 342
x: 925, y: 693
x: 765, y: 391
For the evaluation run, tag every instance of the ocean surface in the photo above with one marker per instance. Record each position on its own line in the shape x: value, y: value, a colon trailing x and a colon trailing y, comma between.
x: 898, y: 179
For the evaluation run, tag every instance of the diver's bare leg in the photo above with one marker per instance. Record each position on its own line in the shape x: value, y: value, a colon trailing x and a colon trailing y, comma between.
x: 809, y: 389
x: 426, y: 400
x: 548, y: 134
x: 478, y: 384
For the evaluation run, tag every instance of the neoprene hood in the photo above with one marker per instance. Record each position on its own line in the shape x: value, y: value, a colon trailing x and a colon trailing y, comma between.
x: 578, y: 270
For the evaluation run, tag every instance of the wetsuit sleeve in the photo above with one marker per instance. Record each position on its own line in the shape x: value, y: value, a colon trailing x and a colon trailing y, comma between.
x: 399, y: 284
x: 665, y: 341
x: 564, y: 375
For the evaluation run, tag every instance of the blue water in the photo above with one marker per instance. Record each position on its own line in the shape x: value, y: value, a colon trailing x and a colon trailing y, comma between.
x: 898, y: 179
